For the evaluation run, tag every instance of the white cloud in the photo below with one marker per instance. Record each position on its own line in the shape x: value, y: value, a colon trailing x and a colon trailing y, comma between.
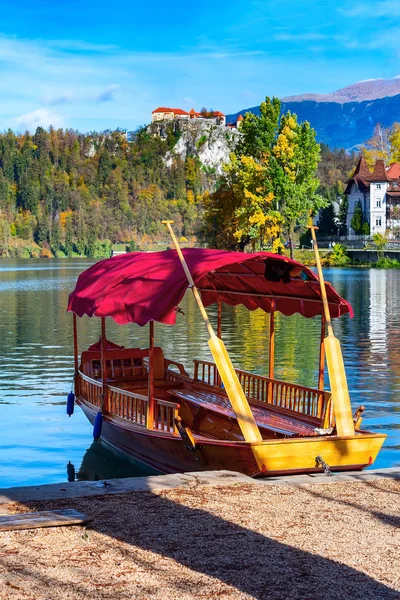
x: 42, y: 117
x: 376, y: 8
x: 306, y: 36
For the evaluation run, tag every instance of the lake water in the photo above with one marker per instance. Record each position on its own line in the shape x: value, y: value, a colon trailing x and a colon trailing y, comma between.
x: 38, y: 440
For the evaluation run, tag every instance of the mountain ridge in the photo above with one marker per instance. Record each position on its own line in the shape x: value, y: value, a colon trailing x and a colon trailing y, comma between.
x: 345, y: 118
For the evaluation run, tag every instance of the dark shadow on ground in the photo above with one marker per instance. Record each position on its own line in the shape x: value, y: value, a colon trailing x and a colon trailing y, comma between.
x: 249, y: 561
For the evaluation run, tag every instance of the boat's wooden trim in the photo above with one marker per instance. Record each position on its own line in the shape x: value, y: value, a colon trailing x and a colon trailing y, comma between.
x: 168, y: 454
x: 128, y: 405
x: 179, y: 366
x: 255, y: 295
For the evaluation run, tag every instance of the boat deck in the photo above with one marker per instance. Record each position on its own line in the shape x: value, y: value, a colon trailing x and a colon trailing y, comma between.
x: 265, y: 419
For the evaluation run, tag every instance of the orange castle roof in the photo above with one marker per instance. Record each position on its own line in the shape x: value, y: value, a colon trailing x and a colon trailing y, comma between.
x: 176, y: 111
x: 240, y: 118
x: 179, y: 111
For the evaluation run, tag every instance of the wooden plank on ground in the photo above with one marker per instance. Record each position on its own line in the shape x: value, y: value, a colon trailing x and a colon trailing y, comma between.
x: 45, y: 518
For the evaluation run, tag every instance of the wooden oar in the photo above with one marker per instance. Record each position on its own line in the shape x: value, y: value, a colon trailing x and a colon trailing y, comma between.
x: 234, y: 390
x: 334, y: 359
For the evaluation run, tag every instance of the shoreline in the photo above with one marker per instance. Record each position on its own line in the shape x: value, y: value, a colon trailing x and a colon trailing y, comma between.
x: 157, y: 483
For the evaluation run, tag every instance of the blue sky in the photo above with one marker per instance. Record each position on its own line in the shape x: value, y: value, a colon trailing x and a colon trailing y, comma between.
x: 94, y: 64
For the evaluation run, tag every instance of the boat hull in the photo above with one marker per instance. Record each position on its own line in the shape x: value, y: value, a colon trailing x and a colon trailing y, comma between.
x: 168, y: 454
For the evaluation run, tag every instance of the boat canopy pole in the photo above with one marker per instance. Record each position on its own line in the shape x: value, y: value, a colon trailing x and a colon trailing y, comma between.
x: 75, y: 328
x: 322, y: 355
x: 334, y: 359
x: 219, y: 324
x: 103, y: 364
x: 234, y: 390
x: 272, y: 341
x: 150, y: 410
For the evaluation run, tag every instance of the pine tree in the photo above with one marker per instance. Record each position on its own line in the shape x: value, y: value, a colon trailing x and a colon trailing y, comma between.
x: 357, y: 220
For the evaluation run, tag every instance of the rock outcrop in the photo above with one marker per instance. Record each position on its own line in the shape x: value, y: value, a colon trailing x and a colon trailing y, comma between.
x: 209, y: 142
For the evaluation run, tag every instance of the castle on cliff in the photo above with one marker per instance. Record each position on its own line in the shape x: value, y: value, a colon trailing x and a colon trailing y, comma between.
x: 163, y: 113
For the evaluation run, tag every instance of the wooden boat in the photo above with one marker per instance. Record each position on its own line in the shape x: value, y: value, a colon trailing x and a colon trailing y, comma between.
x: 219, y: 417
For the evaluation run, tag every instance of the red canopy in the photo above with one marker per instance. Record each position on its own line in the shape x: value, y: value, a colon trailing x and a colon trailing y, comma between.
x: 140, y: 287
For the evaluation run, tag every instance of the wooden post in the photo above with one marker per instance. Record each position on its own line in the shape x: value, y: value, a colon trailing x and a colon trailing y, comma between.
x: 219, y: 324
x: 104, y: 404
x: 272, y: 340
x: 76, y: 358
x: 271, y: 371
x: 151, y: 402
x: 322, y: 355
x: 334, y: 360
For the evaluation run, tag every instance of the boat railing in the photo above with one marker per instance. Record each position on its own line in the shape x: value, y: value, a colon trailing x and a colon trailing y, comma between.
x: 290, y: 396
x: 89, y: 388
x: 128, y: 405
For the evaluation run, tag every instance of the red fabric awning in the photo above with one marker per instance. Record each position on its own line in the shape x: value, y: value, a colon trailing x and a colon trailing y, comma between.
x: 139, y: 287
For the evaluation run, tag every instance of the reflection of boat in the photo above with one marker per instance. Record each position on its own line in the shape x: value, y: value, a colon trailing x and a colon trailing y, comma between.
x: 99, y: 462
x: 220, y: 418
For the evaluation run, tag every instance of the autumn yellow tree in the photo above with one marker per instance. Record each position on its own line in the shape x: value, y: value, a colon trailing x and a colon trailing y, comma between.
x: 271, y: 180
x: 295, y: 181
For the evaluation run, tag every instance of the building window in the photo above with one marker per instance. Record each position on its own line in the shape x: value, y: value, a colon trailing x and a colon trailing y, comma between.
x: 378, y: 203
x: 378, y: 221
x: 378, y: 186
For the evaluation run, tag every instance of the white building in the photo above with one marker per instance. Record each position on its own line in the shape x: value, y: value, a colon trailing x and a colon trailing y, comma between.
x: 378, y: 194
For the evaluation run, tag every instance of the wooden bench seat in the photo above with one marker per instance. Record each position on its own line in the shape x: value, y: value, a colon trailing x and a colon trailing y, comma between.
x: 129, y: 364
x: 282, y: 424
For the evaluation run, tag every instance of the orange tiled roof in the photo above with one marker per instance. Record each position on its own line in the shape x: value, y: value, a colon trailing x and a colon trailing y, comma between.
x: 393, y: 171
x: 240, y: 118
x: 179, y: 111
x: 176, y: 111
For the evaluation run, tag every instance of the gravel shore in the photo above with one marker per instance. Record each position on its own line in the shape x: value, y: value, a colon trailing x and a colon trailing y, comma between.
x: 321, y: 542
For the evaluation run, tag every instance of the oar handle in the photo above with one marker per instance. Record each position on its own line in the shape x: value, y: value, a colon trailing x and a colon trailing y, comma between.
x: 321, y: 280
x: 190, y: 279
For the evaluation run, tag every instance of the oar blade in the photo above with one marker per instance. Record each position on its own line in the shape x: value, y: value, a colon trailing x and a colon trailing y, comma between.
x: 234, y: 390
x: 339, y: 388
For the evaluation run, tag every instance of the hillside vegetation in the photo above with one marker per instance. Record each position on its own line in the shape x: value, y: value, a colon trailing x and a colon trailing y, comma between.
x: 63, y: 193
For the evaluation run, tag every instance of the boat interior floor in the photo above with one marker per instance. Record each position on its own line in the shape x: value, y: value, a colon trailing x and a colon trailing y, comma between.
x: 269, y: 420
x: 281, y: 424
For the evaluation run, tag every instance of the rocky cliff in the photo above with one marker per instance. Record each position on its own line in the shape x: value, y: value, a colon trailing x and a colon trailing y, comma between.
x: 210, y: 142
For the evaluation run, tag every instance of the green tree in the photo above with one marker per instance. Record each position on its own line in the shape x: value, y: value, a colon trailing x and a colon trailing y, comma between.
x: 259, y: 132
x: 294, y: 179
x: 357, y: 220
x: 327, y: 223
x: 5, y: 236
x: 81, y: 236
x: 381, y: 242
x: 69, y: 237
x: 55, y: 236
x: 342, y: 216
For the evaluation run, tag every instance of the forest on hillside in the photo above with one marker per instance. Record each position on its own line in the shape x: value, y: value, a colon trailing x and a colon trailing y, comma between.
x: 63, y: 193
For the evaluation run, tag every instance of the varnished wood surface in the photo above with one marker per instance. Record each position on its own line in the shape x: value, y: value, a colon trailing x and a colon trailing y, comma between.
x: 281, y: 424
x: 168, y: 454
